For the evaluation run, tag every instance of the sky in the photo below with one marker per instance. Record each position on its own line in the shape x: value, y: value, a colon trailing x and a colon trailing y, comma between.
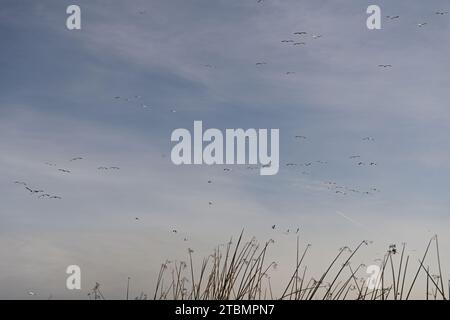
x: 58, y: 90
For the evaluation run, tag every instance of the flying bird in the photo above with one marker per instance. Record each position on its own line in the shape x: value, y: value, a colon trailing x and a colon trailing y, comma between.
x: 261, y: 63
x: 441, y: 12
x: 64, y: 170
x: 287, y: 41
x: 422, y: 24
x: 77, y: 158
x: 20, y: 182
x: 392, y: 17
x: 385, y: 65
x: 300, y: 32
x: 34, y: 191
x: 290, y: 72
x: 316, y: 36
x: 299, y: 43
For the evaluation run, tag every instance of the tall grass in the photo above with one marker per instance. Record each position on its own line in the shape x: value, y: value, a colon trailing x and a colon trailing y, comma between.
x: 240, y: 271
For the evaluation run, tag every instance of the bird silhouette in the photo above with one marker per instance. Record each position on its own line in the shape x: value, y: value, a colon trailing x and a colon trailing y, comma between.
x: 34, y: 191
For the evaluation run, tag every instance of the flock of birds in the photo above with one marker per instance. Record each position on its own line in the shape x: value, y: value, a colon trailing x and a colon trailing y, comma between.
x: 332, y: 185
x: 300, y: 40
x: 41, y: 194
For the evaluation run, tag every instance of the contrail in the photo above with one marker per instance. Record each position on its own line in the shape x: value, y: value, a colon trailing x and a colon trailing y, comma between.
x: 349, y: 219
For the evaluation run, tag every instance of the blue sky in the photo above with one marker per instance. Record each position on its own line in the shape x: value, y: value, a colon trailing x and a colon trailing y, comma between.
x: 199, y: 58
